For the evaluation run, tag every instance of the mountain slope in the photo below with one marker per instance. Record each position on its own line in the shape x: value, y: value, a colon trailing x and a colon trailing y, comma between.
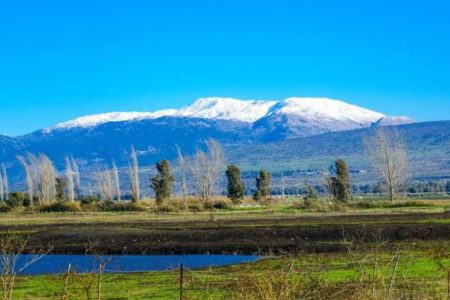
x: 428, y: 145
x: 300, y: 117
x: 100, y: 139
x: 292, y: 117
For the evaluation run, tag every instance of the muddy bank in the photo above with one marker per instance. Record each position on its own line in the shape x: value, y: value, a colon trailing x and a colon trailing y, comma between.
x: 259, y: 236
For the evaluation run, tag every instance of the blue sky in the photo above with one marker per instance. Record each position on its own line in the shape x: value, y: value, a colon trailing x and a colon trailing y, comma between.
x: 63, y: 59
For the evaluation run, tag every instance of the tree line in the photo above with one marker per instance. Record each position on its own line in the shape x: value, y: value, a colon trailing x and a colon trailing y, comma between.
x: 204, y: 168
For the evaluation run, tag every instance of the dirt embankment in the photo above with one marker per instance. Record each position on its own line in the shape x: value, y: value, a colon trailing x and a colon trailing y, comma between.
x: 259, y: 236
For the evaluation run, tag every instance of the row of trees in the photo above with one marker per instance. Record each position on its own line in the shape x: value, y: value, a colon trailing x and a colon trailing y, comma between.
x: 203, y: 171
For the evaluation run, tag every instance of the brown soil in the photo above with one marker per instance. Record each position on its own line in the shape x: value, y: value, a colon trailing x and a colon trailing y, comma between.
x: 259, y: 236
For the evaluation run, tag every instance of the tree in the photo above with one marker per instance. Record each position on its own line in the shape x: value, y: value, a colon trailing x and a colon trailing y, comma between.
x: 47, y: 179
x: 235, y: 186
x: 60, y: 185
x: 41, y: 177
x: 134, y: 176
x: 341, y: 183
x: 104, y: 180
x: 5, y: 182
x: 162, y: 183
x: 205, y: 169
x: 182, y: 167
x: 70, y: 180
x: 389, y: 156
x: 2, y: 198
x: 29, y: 177
x: 76, y: 176
x: 116, y: 180
x: 262, y: 186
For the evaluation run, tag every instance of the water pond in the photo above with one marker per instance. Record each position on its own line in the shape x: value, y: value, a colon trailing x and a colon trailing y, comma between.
x: 54, y: 264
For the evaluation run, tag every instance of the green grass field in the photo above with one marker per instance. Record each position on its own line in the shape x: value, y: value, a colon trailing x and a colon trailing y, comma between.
x: 411, y: 267
x: 421, y: 268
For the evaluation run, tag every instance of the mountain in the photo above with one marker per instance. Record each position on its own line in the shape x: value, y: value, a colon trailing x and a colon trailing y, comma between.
x: 102, y: 138
x: 301, y: 117
x: 428, y: 146
x: 298, y: 116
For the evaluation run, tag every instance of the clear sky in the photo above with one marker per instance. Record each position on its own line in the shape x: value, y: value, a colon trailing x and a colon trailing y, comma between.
x: 63, y: 59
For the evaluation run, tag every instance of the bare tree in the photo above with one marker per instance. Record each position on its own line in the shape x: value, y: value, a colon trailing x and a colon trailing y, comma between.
x: 389, y: 156
x: 205, y: 169
x: 12, y: 247
x: 48, y: 176
x: 116, y: 180
x: 70, y: 180
x: 182, y: 167
x: 29, y: 177
x: 104, y: 183
x: 76, y: 176
x: 134, y: 176
x: 41, y: 177
x: 1, y: 188
x: 5, y: 182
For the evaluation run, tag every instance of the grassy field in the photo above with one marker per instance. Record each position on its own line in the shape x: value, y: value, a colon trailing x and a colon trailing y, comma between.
x: 368, y: 250
x: 231, y: 213
x: 313, y: 276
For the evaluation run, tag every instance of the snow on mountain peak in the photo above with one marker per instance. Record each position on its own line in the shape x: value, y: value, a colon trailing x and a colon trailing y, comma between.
x: 313, y: 109
x: 325, y: 109
x: 227, y: 109
x: 99, y: 119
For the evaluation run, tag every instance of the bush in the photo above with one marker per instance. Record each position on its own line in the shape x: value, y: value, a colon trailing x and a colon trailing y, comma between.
x: 15, y: 199
x: 297, y: 205
x: 195, y: 207
x: 4, y: 208
x: 165, y: 208
x: 119, y: 206
x: 318, y: 206
x: 61, y: 207
x: 220, y: 204
x: 89, y: 199
x: 371, y: 204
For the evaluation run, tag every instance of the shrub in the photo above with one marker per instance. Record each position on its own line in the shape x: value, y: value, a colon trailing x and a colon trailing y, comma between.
x: 4, y: 208
x: 89, y: 199
x: 368, y: 204
x: 297, y: 205
x: 119, y: 206
x: 165, y: 208
x: 195, y: 207
x: 220, y: 204
x: 61, y: 207
x: 15, y: 199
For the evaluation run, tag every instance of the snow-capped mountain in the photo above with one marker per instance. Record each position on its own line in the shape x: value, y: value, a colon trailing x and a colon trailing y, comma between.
x: 101, y: 138
x: 318, y: 114
x: 96, y: 120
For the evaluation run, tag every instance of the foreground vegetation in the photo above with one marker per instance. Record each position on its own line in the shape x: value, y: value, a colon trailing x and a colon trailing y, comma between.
x: 315, y: 248
x: 363, y: 272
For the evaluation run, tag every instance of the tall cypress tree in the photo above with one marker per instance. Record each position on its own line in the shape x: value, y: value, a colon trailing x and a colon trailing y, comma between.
x: 262, y: 186
x: 235, y: 185
x: 341, y: 183
x: 162, y: 183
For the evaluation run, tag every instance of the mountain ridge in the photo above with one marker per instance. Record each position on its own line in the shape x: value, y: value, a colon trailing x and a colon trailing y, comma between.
x: 251, y: 111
